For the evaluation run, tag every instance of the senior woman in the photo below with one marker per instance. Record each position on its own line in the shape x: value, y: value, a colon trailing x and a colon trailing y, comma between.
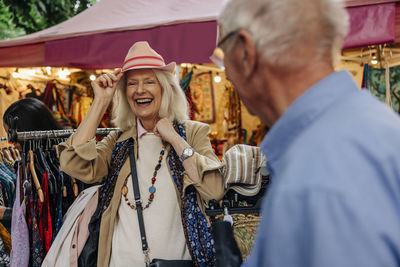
x: 177, y: 170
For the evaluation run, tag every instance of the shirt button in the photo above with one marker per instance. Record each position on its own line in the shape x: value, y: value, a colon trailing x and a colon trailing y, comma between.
x: 73, y: 246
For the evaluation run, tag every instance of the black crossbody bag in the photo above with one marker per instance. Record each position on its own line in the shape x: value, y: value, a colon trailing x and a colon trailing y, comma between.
x: 139, y: 209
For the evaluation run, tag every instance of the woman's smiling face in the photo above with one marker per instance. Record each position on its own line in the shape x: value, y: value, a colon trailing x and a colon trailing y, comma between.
x: 144, y: 93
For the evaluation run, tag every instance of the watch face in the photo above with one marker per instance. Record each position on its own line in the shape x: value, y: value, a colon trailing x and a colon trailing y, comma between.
x: 189, y: 151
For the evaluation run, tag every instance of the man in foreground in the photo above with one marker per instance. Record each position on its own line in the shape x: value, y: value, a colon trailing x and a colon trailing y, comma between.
x: 333, y: 151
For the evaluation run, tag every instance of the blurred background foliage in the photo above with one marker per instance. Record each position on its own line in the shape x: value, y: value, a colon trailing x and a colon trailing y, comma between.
x: 21, y: 17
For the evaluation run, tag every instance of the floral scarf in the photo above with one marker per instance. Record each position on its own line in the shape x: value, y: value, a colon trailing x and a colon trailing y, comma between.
x: 198, y: 234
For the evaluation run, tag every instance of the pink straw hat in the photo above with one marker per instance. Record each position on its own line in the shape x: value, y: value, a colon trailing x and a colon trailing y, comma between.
x: 142, y: 56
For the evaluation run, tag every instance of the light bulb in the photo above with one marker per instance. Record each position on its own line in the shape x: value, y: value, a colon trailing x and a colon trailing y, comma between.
x: 31, y: 72
x: 217, y: 79
x: 16, y: 74
x: 92, y: 77
x: 48, y: 69
x: 63, y: 74
x: 374, y: 61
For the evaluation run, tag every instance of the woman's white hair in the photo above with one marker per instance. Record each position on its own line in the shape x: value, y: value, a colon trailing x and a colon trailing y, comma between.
x: 281, y: 28
x: 174, y: 105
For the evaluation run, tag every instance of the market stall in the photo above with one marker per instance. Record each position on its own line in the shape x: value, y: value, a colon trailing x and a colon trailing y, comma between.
x: 185, y: 32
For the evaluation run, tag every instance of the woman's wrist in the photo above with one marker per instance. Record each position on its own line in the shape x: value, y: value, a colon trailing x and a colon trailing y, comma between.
x: 102, y: 101
x: 174, y: 139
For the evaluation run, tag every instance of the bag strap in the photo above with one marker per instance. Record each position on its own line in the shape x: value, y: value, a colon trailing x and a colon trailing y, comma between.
x: 138, y: 203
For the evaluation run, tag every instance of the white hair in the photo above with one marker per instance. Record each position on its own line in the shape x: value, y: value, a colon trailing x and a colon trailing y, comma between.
x: 281, y: 28
x: 174, y: 105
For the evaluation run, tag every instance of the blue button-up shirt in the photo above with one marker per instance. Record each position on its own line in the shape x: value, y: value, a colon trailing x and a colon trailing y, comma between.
x: 334, y: 200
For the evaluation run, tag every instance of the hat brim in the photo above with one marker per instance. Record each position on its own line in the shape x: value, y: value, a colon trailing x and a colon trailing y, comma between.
x: 170, y: 68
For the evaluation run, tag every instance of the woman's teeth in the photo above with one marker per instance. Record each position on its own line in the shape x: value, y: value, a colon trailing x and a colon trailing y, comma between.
x: 144, y: 101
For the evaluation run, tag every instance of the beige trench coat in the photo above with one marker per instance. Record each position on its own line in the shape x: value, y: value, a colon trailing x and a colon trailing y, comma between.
x: 89, y: 162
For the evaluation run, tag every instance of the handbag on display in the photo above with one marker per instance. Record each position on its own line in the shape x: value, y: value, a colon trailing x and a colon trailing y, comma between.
x: 139, y: 209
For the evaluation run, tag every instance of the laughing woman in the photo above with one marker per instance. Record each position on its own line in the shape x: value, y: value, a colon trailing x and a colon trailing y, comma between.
x: 177, y: 170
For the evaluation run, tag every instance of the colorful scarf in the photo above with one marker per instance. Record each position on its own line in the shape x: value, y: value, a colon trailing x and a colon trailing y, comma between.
x: 119, y: 155
x: 198, y: 234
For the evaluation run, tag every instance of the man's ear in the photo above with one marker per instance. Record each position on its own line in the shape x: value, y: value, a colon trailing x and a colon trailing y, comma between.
x: 248, y: 53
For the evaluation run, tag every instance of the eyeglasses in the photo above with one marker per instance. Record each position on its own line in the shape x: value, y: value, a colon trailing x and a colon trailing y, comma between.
x: 218, y: 55
x: 229, y: 35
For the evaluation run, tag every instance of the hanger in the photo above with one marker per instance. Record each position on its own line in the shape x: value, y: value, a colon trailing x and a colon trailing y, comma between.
x: 39, y: 156
x: 57, y: 151
x: 13, y: 153
x: 8, y: 156
x: 31, y: 168
x: 75, y: 187
x: 18, y: 154
x: 53, y: 166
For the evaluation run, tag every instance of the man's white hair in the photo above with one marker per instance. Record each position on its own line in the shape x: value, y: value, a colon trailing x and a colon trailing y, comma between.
x: 174, y: 105
x: 281, y: 28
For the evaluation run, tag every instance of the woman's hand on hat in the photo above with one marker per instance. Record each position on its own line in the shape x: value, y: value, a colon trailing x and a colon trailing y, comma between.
x: 165, y: 130
x: 105, y: 85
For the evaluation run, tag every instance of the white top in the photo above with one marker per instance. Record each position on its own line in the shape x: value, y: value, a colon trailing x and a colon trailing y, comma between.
x: 162, y: 219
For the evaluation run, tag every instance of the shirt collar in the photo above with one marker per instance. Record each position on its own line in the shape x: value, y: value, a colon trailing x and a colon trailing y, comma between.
x: 304, y: 110
x: 140, y: 129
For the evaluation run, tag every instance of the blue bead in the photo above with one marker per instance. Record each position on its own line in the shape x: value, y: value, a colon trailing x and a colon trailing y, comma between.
x: 152, y: 189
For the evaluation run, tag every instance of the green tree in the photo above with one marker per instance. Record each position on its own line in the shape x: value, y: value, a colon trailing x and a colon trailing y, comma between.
x: 20, y: 17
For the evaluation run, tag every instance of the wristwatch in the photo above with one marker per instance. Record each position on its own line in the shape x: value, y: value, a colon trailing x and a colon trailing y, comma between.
x: 187, y: 153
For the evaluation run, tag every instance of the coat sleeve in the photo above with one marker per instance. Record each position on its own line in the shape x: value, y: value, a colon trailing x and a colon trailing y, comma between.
x: 208, y: 165
x: 89, y: 161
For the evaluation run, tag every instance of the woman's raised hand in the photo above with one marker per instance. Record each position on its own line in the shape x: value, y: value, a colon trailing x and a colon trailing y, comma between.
x: 165, y: 130
x: 105, y: 85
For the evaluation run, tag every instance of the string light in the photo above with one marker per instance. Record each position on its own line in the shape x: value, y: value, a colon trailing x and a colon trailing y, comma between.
x: 92, y: 77
x: 63, y: 73
x: 217, y: 78
x: 16, y: 75
x: 31, y: 72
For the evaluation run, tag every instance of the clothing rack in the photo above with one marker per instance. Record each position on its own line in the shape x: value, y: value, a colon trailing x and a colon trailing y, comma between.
x: 33, y: 135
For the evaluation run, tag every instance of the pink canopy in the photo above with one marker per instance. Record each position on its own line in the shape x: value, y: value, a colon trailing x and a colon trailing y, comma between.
x: 182, y: 31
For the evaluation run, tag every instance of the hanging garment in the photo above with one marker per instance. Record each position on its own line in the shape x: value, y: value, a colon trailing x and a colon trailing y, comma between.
x: 4, y: 257
x: 58, y: 215
x: 6, y: 237
x: 19, y: 230
x: 36, y: 244
x: 45, y: 226
x: 377, y: 83
x: 60, y: 251
x: 7, y: 180
x: 68, y: 197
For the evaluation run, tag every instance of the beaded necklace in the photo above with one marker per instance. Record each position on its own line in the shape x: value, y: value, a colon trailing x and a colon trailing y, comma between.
x: 152, y: 189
